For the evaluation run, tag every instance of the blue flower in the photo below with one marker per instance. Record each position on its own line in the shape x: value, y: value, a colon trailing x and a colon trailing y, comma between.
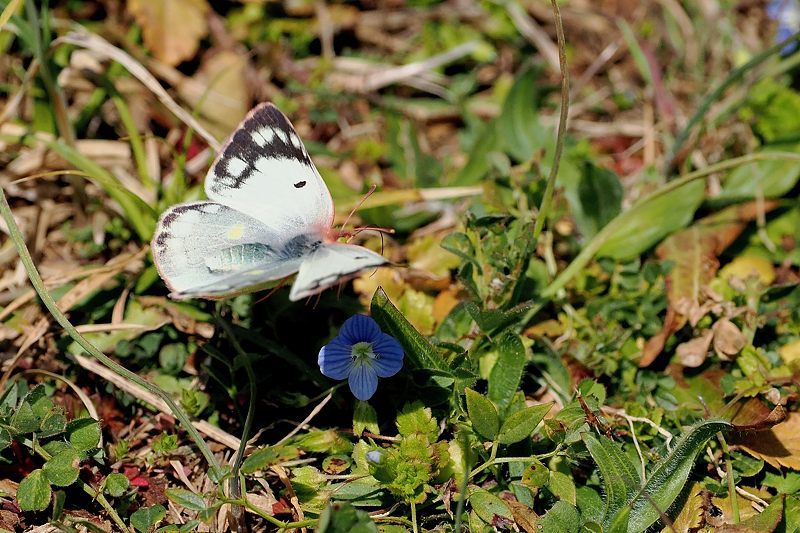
x: 362, y: 353
x: 787, y: 14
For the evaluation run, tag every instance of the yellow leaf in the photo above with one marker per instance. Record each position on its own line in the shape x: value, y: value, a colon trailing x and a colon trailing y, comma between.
x: 219, y: 90
x: 747, y: 266
x: 689, y: 518
x: 171, y: 29
x: 790, y: 352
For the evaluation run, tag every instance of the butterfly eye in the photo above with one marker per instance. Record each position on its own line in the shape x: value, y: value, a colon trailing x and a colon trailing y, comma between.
x: 299, y: 184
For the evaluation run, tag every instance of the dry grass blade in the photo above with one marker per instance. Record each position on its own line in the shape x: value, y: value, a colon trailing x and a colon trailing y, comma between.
x: 106, y: 49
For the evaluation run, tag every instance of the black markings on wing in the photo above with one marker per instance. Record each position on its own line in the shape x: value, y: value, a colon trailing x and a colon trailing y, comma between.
x: 264, y: 133
x: 299, y: 184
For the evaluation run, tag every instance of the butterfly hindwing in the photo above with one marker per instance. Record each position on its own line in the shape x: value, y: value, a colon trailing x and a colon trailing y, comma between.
x: 330, y: 264
x: 210, y: 250
x: 264, y: 171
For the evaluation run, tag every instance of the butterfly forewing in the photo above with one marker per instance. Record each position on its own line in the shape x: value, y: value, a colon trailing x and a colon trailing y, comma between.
x: 330, y: 264
x: 265, y: 172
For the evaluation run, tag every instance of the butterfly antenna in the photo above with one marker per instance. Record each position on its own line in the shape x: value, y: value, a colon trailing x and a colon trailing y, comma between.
x: 359, y: 204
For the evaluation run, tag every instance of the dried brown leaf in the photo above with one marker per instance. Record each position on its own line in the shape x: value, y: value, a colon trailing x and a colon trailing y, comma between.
x: 693, y: 353
x: 691, y: 514
x: 728, y: 339
x: 779, y: 446
x: 171, y: 29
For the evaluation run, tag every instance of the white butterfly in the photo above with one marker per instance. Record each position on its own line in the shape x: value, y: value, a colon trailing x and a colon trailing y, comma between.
x: 269, y: 215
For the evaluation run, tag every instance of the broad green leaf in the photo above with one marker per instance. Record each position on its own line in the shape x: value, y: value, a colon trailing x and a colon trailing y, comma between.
x: 666, y: 481
x: 63, y: 468
x: 187, y: 499
x: 770, y: 178
x: 507, y: 370
x: 33, y: 493
x: 482, y: 414
x: 562, y: 517
x: 647, y: 222
x: 562, y: 486
x: 518, y: 125
x: 535, y: 475
x: 265, y: 457
x: 519, y: 425
x: 419, y: 352
x: 146, y: 518
x: 116, y: 484
x: 53, y: 423
x: 40, y: 403
x: 84, y: 433
x: 5, y: 438
x: 342, y: 517
x: 488, y: 506
x: 620, y: 479
x: 768, y: 519
x: 600, y: 196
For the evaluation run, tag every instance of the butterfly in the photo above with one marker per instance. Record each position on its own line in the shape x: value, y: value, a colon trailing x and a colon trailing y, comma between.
x: 268, y: 215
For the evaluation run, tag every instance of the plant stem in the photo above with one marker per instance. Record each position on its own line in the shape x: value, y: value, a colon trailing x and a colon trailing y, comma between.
x: 38, y: 285
x: 268, y: 517
x: 414, y: 526
x: 547, y: 198
x: 729, y: 474
x: 489, y: 462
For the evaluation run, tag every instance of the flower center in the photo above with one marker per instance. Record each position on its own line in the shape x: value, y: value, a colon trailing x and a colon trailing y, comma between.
x: 362, y: 352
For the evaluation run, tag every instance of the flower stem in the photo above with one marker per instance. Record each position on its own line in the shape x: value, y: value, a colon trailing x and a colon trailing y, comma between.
x: 414, y: 527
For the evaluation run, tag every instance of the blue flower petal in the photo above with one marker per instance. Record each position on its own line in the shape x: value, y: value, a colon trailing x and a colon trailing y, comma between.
x: 390, y: 356
x: 363, y: 381
x: 360, y: 328
x: 335, y: 359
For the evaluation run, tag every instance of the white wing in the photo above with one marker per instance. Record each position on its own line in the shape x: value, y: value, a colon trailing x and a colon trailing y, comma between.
x: 330, y: 264
x: 264, y: 171
x: 205, y: 249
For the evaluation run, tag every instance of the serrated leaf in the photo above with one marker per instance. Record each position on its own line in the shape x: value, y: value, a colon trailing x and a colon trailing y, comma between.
x: 84, y: 433
x: 519, y: 425
x: 620, y: 479
x: 116, y: 484
x: 33, y: 493
x: 24, y: 420
x: 419, y: 352
x: 489, y: 507
x: 63, y: 468
x: 507, y: 370
x: 482, y: 414
x: 186, y: 498
x: 415, y: 418
x: 145, y: 519
x: 668, y: 478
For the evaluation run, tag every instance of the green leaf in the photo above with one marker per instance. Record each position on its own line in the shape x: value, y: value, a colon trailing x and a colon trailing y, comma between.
x: 562, y: 486
x: 519, y: 425
x: 665, y: 482
x: 63, y: 468
x: 562, y: 517
x: 647, y: 222
x: 771, y: 178
x: 535, y: 475
x: 84, y: 433
x: 518, y: 125
x: 507, y: 370
x: 600, y: 195
x: 146, y: 518
x: 53, y: 423
x: 24, y: 420
x: 344, y: 518
x: 33, y: 493
x: 38, y: 400
x: 620, y: 479
x: 768, y: 519
x: 186, y: 498
x: 488, y: 506
x: 482, y: 414
x: 415, y: 418
x: 5, y: 438
x: 116, y: 484
x: 365, y: 419
x: 419, y: 352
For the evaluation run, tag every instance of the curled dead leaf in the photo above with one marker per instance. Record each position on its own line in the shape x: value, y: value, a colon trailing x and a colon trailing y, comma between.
x: 779, y: 446
x: 728, y: 339
x: 693, y: 353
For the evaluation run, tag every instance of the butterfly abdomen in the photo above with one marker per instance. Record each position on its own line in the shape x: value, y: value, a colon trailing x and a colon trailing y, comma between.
x: 239, y: 257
